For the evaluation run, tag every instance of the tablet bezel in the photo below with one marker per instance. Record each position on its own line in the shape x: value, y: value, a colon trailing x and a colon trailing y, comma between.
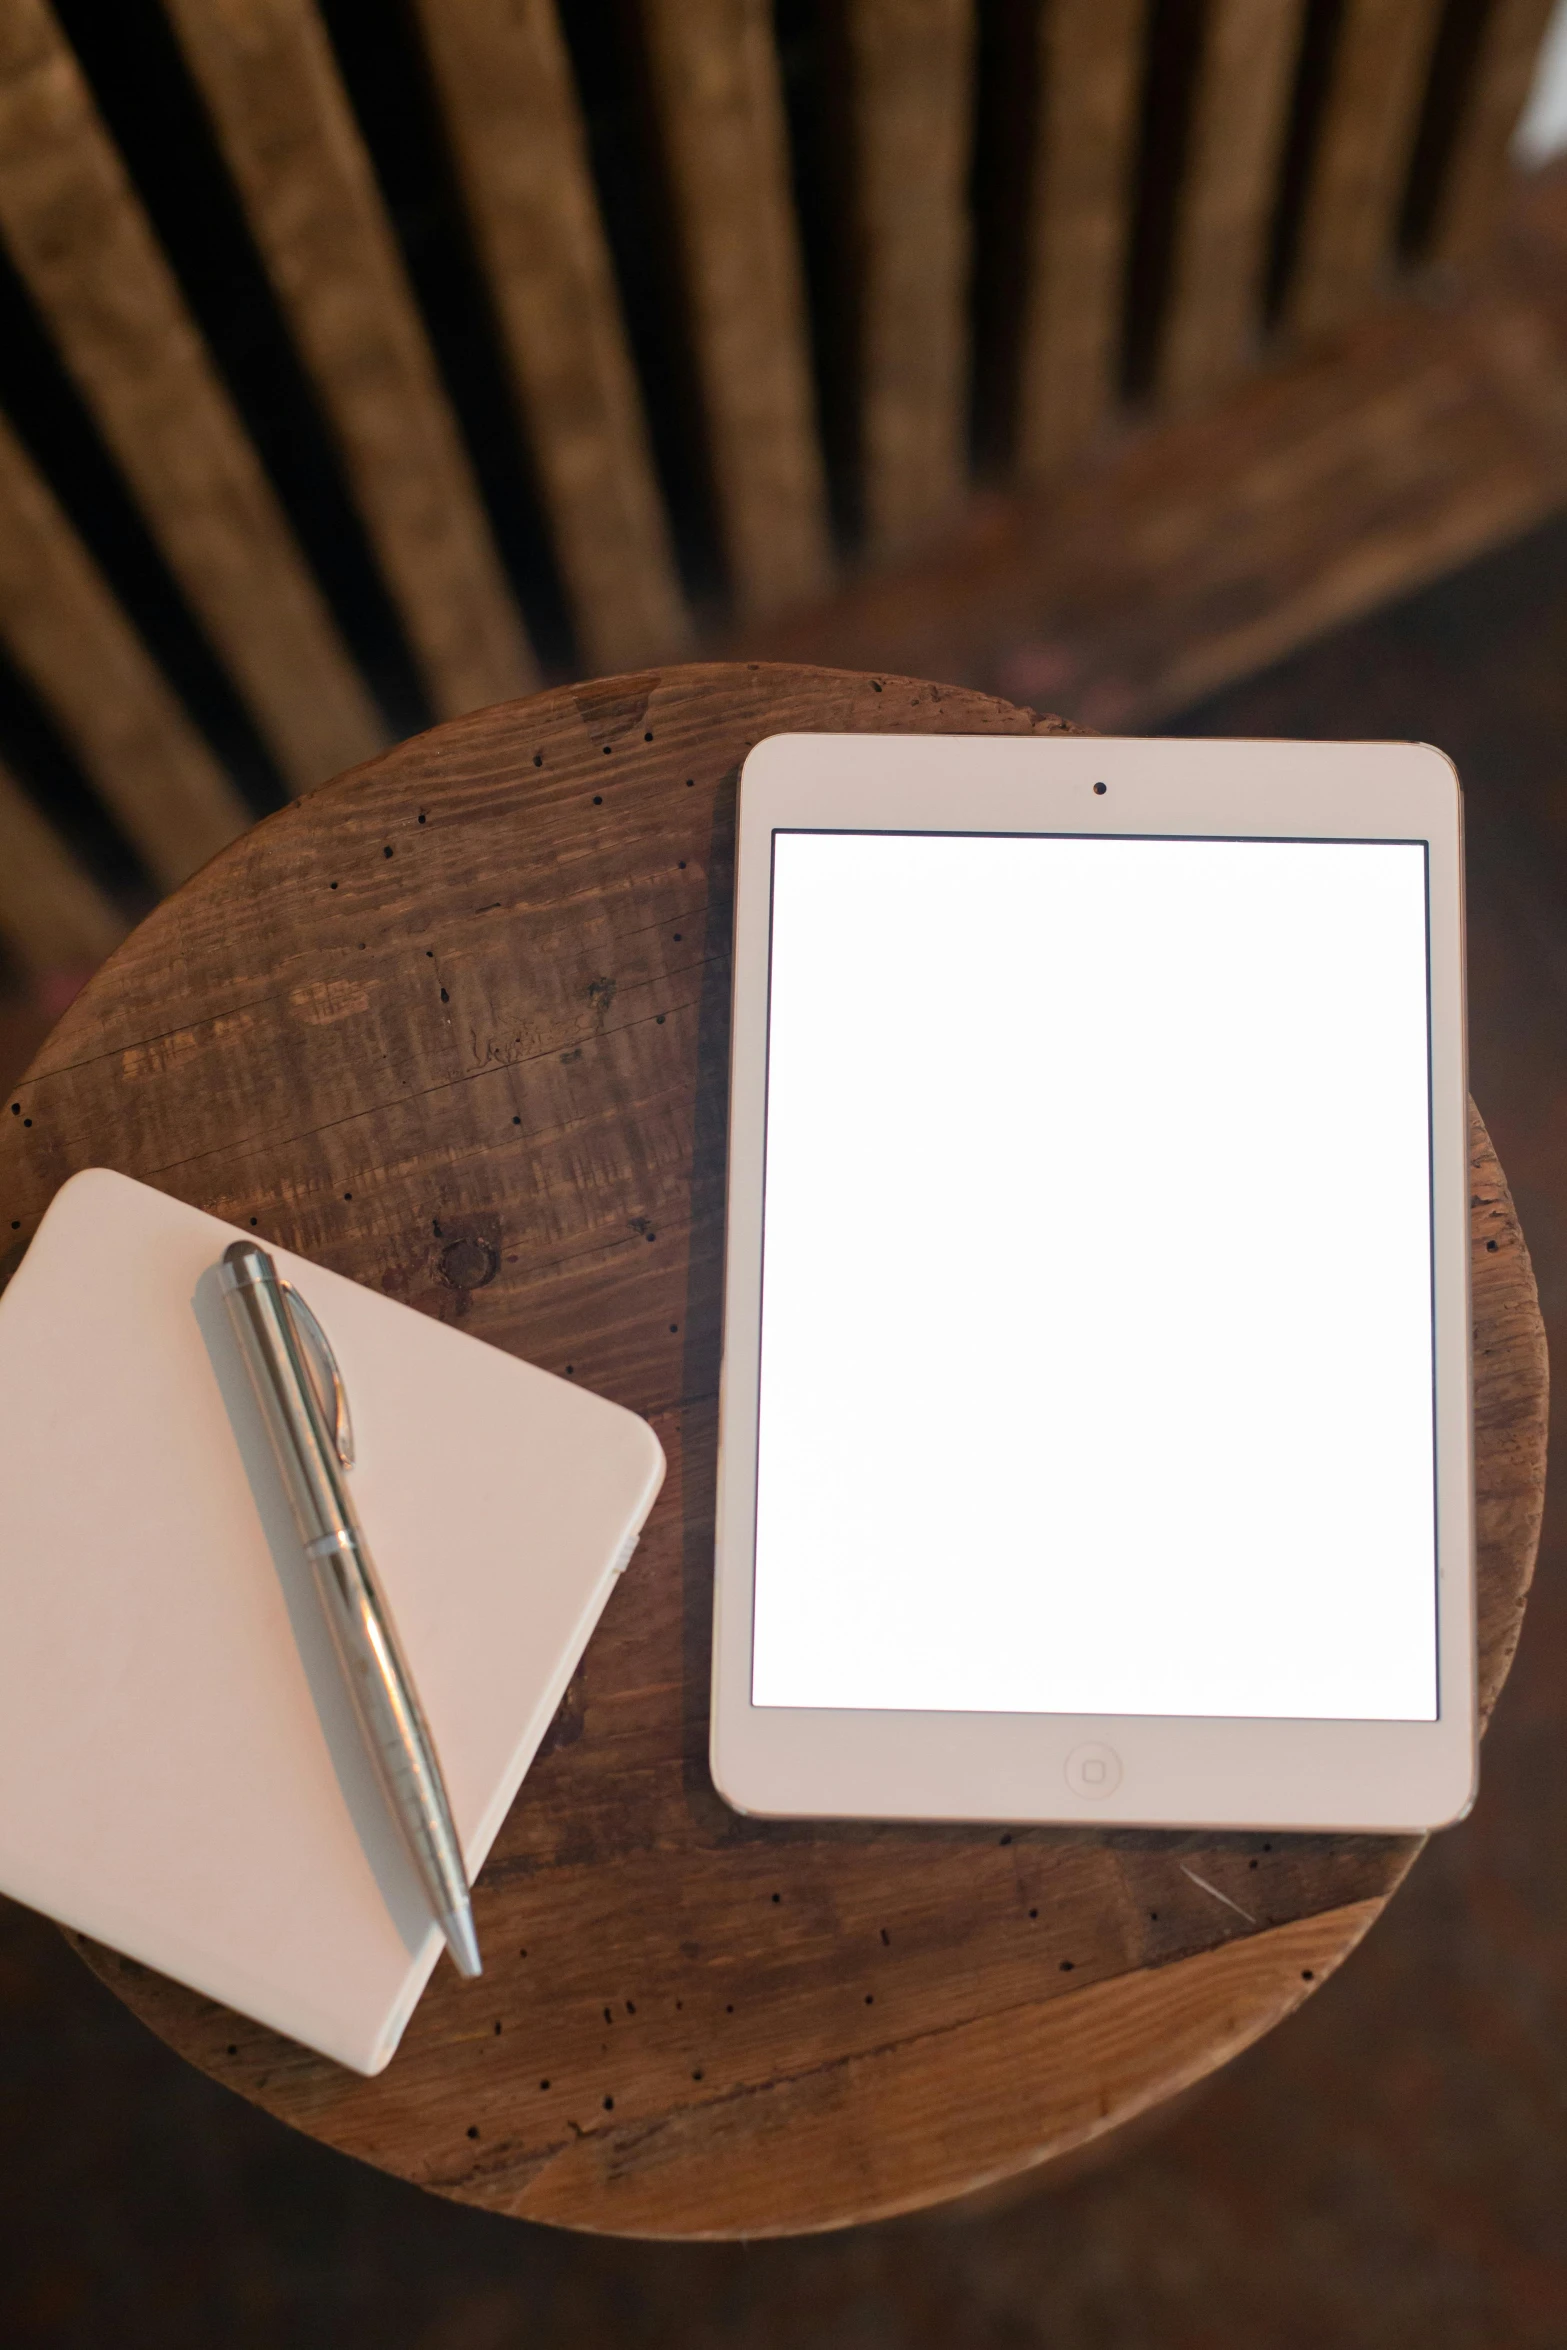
x: 787, y: 1762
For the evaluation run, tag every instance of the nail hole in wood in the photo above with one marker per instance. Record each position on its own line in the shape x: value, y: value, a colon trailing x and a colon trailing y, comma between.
x: 473, y: 2129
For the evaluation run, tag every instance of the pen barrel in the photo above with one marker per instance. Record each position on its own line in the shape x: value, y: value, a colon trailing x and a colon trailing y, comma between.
x: 390, y: 1717
x: 385, y: 1700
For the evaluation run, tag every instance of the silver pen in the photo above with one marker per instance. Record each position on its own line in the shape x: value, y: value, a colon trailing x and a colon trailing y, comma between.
x: 300, y: 1391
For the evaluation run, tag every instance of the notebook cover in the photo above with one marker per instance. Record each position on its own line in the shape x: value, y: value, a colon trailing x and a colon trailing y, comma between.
x: 181, y: 1775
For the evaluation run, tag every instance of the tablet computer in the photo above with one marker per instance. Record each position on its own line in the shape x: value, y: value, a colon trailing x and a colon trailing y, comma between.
x: 1095, y: 1415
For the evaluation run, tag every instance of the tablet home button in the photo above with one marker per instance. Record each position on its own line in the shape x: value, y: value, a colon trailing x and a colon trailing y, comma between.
x: 1093, y: 1770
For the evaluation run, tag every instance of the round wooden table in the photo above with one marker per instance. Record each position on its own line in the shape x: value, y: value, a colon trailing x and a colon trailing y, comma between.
x: 456, y: 1025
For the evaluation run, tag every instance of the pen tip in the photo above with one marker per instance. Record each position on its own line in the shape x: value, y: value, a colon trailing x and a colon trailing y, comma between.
x: 463, y: 1942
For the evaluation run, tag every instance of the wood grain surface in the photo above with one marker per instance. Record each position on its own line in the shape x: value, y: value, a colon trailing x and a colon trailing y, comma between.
x: 266, y: 70
x: 515, y: 124
x: 82, y: 241
x: 912, y: 69
x: 715, y: 76
x: 1090, y: 82
x: 67, y: 631
x: 457, y: 1027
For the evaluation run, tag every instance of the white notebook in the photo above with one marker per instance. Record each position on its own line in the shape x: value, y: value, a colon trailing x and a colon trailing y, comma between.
x: 181, y: 1775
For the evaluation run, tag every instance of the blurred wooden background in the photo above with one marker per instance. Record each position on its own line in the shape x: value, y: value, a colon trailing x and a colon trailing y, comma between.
x: 363, y: 361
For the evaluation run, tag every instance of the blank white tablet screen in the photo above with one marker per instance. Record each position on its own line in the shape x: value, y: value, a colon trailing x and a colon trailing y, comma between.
x: 1096, y: 1366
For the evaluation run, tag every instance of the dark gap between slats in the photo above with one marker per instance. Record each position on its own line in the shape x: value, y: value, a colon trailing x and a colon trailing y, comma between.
x: 58, y: 430
x: 380, y: 53
x: 1006, y: 116
x: 635, y: 203
x: 157, y: 119
x: 1449, y: 92
x: 1175, y: 40
x: 1308, y: 104
x: 816, y: 69
x: 48, y: 771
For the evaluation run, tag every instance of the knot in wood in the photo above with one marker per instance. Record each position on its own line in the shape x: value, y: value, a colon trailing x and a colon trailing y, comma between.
x: 469, y: 1264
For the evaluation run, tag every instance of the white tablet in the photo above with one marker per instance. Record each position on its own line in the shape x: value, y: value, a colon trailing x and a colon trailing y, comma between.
x: 1095, y: 1418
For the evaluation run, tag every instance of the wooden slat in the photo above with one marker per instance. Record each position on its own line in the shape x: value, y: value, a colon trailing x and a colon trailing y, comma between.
x: 81, y: 240
x: 1230, y: 188
x: 1200, y: 551
x: 1091, y: 68
x: 716, y: 86
x: 913, y: 70
x: 65, y: 630
x: 1478, y: 168
x: 52, y: 917
x: 1358, y: 174
x: 269, y: 77
x: 516, y: 129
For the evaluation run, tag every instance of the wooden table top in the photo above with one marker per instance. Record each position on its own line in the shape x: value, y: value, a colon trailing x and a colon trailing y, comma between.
x: 456, y: 1026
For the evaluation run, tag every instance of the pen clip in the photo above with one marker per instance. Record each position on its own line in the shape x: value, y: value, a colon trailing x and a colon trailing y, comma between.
x: 325, y: 1377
